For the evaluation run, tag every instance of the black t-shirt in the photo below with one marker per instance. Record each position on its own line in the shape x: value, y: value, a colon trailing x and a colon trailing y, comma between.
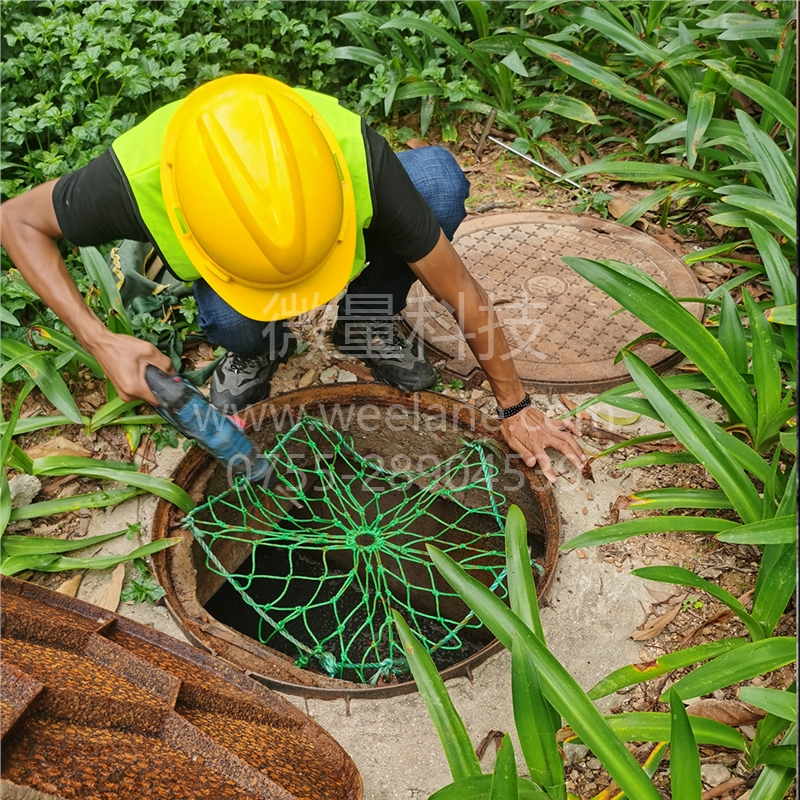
x: 95, y: 205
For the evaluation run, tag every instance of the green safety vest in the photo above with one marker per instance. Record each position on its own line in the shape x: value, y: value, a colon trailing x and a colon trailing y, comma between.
x: 139, y: 154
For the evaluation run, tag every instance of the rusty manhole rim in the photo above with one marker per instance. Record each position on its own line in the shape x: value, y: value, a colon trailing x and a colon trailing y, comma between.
x: 197, y: 465
x: 680, y: 277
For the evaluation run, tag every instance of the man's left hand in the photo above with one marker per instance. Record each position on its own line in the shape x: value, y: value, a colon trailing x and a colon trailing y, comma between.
x: 530, y: 432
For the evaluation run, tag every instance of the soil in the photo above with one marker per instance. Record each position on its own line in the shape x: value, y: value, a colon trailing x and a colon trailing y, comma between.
x: 499, y: 180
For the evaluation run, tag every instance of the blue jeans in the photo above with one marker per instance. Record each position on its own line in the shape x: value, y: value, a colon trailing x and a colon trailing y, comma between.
x: 437, y: 177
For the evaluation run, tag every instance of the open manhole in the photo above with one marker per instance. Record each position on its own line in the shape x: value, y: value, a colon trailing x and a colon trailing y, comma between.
x: 96, y: 705
x: 559, y: 326
x: 295, y: 582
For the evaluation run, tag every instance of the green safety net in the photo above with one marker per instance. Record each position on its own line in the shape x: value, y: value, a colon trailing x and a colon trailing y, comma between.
x: 338, y: 541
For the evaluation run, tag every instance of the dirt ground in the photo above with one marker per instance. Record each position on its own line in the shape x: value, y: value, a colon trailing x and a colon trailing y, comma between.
x: 593, y: 607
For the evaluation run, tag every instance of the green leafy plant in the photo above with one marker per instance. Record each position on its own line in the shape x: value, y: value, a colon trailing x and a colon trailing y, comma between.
x: 44, y: 554
x: 686, y: 68
x: 543, y: 692
x: 143, y: 588
x: 11, y: 456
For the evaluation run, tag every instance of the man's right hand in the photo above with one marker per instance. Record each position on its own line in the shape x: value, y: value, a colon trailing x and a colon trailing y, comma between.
x: 124, y: 360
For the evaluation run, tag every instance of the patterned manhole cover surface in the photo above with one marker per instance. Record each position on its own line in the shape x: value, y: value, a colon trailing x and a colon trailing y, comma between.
x: 563, y: 331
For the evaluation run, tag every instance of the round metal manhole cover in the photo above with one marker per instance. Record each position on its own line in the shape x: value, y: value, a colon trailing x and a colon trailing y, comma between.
x: 563, y: 331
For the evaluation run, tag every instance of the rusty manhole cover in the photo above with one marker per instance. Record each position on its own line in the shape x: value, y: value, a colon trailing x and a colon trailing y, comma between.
x: 560, y: 328
x: 96, y: 705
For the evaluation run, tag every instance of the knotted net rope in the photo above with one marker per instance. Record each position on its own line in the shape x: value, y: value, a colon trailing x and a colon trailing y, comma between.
x: 338, y: 541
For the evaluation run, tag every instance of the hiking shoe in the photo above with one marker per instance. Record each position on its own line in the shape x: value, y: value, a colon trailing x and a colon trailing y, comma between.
x: 393, y: 358
x: 239, y: 381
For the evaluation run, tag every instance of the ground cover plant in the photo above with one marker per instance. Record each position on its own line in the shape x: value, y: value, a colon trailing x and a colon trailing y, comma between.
x: 544, y: 692
x: 694, y: 101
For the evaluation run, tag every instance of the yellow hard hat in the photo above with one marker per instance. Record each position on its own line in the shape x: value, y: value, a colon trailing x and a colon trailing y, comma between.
x: 259, y: 195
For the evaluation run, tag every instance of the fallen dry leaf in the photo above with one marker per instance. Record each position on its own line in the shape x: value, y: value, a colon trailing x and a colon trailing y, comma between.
x: 70, y: 587
x: 622, y: 502
x: 414, y: 143
x: 362, y: 372
x: 58, y: 484
x: 571, y: 406
x: 492, y: 736
x: 107, y: 596
x: 723, y: 788
x: 32, y: 411
x: 721, y: 616
x: 665, y: 240
x: 659, y: 595
x: 58, y: 446
x: 652, y: 629
x: 728, y: 712
x: 617, y: 207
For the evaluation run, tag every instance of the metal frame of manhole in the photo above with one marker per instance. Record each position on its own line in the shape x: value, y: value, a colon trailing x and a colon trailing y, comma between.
x: 559, y: 327
x: 175, y: 569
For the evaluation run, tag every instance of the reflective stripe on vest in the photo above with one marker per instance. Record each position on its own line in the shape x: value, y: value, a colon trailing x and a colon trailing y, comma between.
x: 139, y: 154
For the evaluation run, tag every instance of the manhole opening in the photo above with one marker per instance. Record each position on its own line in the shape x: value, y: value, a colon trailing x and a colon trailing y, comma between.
x: 313, y: 580
x: 340, y: 541
x: 298, y: 588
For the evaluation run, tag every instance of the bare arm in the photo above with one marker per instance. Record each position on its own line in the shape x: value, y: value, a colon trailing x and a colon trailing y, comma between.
x: 444, y: 275
x: 29, y: 231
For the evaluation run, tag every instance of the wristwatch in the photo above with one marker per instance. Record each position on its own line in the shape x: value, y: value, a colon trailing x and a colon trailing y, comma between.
x: 505, y: 413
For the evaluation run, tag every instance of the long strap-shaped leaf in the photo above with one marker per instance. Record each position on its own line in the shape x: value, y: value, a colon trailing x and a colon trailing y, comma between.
x: 780, y: 703
x: 478, y: 789
x: 454, y: 737
x: 45, y: 376
x: 744, y: 663
x: 57, y: 563
x: 632, y: 674
x: 504, y: 777
x: 684, y: 759
x: 767, y: 730
x: 60, y: 505
x: 777, y: 575
x: 587, y: 71
x: 537, y: 721
x: 6, y: 443
x: 677, y: 326
x: 779, y: 530
x: 761, y: 93
x: 773, y: 163
x: 774, y: 781
x: 533, y: 718
x: 766, y: 369
x: 114, y: 471
x: 692, y: 432
x: 779, y: 215
x: 685, y: 577
x: 559, y: 686
x: 100, y: 274
x: 653, y: 726
x: 639, y: 527
x: 673, y: 497
x: 45, y: 545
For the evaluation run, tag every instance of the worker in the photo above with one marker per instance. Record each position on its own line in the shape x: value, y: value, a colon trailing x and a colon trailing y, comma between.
x: 272, y: 200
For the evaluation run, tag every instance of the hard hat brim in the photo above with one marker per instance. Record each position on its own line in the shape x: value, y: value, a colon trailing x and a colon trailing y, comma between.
x: 269, y: 305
